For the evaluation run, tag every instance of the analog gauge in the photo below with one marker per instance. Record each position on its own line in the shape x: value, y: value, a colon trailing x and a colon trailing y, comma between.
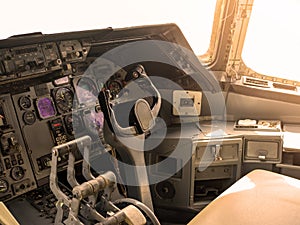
x: 17, y: 173
x: 64, y: 99
x: 93, y: 121
x: 73, y: 124
x: 29, y: 117
x: 25, y: 102
x: 45, y: 107
x: 3, y: 186
x: 86, y: 90
x: 114, y: 87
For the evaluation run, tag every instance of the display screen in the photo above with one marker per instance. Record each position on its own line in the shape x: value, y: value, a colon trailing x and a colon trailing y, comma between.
x: 186, y: 102
x: 86, y: 90
x: 45, y: 107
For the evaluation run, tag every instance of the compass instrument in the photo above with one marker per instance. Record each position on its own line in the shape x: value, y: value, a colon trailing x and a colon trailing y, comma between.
x: 64, y: 99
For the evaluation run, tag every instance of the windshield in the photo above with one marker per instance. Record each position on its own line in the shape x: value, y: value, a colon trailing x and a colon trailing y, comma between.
x: 272, y: 42
x: 194, y: 18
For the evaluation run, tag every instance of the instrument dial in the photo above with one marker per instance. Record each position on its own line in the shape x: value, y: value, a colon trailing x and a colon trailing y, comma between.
x: 93, y: 121
x: 114, y: 87
x: 64, y: 99
x: 3, y: 186
x: 29, y: 117
x: 17, y: 173
x: 73, y: 124
x: 25, y: 102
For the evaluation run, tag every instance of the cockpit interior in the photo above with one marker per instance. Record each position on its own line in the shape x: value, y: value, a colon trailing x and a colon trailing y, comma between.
x: 129, y: 126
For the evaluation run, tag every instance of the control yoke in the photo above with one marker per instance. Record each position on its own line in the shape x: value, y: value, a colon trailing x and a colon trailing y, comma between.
x: 145, y: 109
x: 142, y: 118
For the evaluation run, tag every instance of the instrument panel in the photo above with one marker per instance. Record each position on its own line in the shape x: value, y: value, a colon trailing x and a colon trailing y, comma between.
x: 43, y: 114
x: 49, y: 96
x: 55, y: 115
x: 38, y: 115
x: 16, y: 175
x: 29, y: 60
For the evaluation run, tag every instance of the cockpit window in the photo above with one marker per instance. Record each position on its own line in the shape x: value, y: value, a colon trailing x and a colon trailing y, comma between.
x: 272, y: 42
x: 194, y: 17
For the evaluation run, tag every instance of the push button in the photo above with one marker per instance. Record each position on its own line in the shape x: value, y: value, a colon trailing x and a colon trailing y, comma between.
x: 7, y: 163
x: 20, y: 161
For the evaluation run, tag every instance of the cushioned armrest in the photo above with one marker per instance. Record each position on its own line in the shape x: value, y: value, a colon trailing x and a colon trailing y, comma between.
x: 260, y: 197
x: 6, y: 218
